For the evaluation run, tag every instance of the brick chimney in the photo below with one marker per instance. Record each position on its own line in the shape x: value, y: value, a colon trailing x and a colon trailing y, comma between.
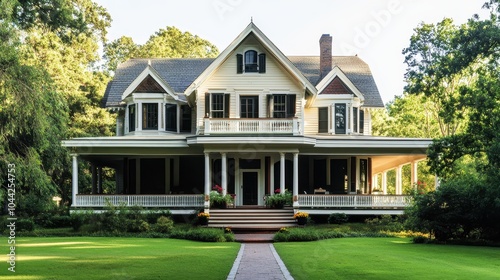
x: 325, y: 55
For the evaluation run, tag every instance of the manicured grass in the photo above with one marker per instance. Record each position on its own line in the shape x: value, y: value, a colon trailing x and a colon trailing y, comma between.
x: 119, y: 258
x: 387, y: 258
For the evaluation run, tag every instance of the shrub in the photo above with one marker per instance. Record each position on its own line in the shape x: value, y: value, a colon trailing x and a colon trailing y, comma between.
x: 164, y: 225
x: 420, y: 239
x: 25, y: 225
x: 203, y: 234
x: 338, y: 218
x: 138, y: 226
x: 386, y: 223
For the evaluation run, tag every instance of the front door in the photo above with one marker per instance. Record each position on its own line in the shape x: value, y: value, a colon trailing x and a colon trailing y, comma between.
x: 250, y: 188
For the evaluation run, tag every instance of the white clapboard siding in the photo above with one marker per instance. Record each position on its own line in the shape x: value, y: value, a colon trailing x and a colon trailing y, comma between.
x: 276, y: 80
x: 310, y: 121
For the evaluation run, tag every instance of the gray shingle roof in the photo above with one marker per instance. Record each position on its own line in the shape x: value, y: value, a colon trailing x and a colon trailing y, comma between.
x: 179, y: 73
x: 353, y: 67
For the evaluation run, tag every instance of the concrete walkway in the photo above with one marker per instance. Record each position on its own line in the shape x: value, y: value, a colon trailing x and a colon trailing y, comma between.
x: 258, y: 261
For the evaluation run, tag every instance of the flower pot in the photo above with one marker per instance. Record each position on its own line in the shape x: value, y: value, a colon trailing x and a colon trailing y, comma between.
x: 219, y: 205
x: 301, y: 221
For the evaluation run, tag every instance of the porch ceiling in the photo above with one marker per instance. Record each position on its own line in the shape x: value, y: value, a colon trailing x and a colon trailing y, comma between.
x: 382, y: 163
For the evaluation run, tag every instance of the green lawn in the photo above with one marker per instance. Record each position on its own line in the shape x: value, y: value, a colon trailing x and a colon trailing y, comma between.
x: 119, y: 258
x: 387, y: 258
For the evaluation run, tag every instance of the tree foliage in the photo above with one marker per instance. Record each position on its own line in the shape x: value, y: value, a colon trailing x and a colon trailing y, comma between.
x: 165, y: 43
x: 459, y: 68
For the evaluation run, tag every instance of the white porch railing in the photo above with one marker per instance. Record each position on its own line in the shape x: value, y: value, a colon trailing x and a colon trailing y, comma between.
x: 158, y: 200
x: 353, y: 201
x: 251, y: 126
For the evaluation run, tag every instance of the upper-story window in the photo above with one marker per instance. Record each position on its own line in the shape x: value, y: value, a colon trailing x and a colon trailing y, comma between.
x: 217, y: 105
x: 282, y: 105
x: 251, y: 62
x: 131, y: 117
x: 340, y: 118
x: 150, y: 116
x: 355, y: 119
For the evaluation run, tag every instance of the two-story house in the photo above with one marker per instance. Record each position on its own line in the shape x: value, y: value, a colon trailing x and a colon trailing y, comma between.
x: 253, y: 121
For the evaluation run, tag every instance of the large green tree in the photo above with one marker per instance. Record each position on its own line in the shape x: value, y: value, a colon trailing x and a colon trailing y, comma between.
x: 169, y: 42
x: 465, y: 61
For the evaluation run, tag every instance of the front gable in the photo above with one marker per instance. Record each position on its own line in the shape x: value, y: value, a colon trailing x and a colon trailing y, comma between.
x: 149, y: 79
x: 336, y: 82
x: 234, y: 52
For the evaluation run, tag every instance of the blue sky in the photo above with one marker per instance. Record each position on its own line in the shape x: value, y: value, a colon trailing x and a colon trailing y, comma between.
x: 376, y: 30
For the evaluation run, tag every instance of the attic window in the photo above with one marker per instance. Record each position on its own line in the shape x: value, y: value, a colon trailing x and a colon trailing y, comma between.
x: 251, y: 62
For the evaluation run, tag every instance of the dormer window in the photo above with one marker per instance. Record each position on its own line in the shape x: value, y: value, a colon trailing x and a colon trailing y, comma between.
x: 251, y: 62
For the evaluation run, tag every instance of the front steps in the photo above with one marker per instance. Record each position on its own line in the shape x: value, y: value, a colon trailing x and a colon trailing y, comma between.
x: 256, y: 219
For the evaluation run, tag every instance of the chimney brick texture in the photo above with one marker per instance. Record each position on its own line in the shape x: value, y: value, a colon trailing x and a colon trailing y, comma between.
x: 325, y: 55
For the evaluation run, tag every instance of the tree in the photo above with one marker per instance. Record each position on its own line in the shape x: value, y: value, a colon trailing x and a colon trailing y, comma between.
x: 165, y: 43
x: 467, y: 62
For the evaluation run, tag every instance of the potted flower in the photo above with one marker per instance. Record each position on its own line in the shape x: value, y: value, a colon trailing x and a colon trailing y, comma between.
x: 218, y: 200
x: 301, y: 217
x: 203, y: 218
x: 279, y: 200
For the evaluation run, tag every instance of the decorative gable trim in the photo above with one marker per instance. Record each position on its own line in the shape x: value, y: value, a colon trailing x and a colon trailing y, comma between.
x: 337, y: 73
x: 147, y: 73
x: 272, y: 50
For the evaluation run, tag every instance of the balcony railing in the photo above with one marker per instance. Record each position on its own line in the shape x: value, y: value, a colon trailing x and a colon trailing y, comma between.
x: 252, y: 126
x: 153, y: 200
x: 354, y: 201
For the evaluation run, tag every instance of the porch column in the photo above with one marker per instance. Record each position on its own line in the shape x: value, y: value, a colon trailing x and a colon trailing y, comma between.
x: 161, y: 117
x: 384, y: 181
x: 399, y: 179
x: 224, y: 173
x: 99, y: 179
x: 74, y: 180
x: 295, y: 180
x: 282, y: 172
x: 414, y: 173
x: 207, y: 182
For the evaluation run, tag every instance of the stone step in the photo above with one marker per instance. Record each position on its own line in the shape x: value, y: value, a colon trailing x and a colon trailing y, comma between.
x: 254, y: 219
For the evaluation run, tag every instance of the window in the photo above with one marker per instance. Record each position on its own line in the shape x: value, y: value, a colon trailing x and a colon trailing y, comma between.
x: 217, y: 105
x: 150, y: 116
x: 355, y: 118
x: 282, y: 105
x: 249, y: 107
x: 171, y: 117
x: 217, y: 108
x: 185, y: 118
x: 340, y: 118
x: 251, y: 61
x: 323, y: 120
x: 131, y: 118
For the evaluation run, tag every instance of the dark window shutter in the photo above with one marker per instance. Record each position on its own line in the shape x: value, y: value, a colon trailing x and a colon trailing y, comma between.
x: 262, y: 63
x: 290, y: 103
x: 239, y: 63
x: 226, y: 105
x: 323, y: 119
x: 207, y: 105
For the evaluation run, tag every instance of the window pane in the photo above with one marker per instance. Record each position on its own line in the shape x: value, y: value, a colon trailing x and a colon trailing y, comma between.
x: 217, y: 100
x: 323, y: 120
x: 340, y: 118
x: 249, y: 107
x: 251, y: 61
x: 279, y: 106
x: 131, y: 118
x: 150, y: 116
